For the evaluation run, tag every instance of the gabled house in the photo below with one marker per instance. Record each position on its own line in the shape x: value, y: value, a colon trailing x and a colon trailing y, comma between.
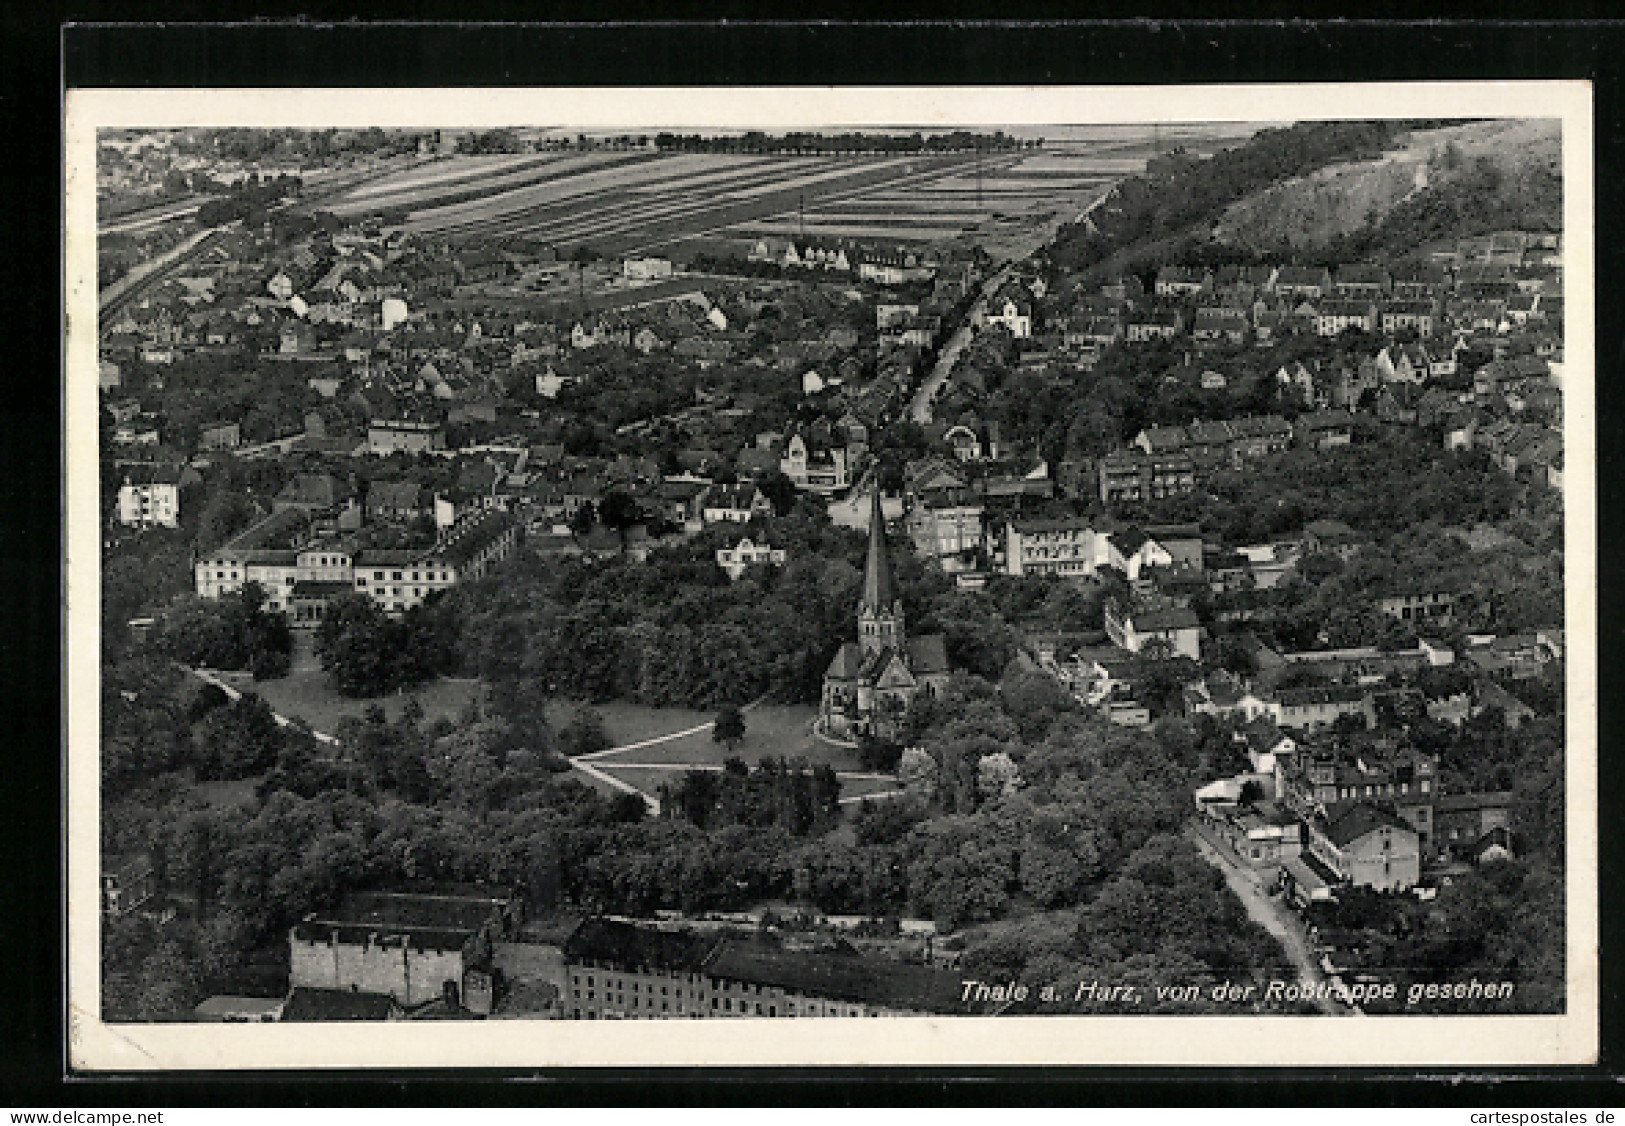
x: 736, y: 560
x: 1182, y: 281
x: 734, y: 504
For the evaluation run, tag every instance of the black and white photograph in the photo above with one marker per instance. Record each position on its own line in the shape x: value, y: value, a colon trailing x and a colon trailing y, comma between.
x: 1037, y: 565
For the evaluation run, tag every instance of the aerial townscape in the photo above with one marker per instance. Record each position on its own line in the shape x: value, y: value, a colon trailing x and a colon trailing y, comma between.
x: 553, y: 574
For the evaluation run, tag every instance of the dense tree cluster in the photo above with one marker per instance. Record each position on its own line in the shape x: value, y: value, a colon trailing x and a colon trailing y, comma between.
x: 789, y: 795
x: 248, y: 200
x: 368, y: 653
x: 755, y: 141
x: 233, y: 632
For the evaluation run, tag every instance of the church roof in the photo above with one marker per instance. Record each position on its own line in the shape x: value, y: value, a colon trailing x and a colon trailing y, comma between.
x: 928, y: 654
x: 878, y: 589
x: 876, y: 663
x: 848, y: 660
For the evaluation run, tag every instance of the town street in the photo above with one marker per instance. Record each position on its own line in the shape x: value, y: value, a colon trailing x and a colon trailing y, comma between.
x: 920, y: 409
x: 1269, y: 913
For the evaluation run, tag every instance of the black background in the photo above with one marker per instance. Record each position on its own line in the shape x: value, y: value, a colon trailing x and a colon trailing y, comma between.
x: 42, y: 50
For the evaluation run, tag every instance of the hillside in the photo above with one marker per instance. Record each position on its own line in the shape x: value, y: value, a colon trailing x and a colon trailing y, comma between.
x: 1433, y: 184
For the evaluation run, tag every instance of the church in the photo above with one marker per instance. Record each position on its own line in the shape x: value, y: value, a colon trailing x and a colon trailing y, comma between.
x: 872, y: 680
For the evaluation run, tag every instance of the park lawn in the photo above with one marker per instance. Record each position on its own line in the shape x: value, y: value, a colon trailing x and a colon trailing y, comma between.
x: 306, y: 695
x: 770, y: 732
x: 632, y: 723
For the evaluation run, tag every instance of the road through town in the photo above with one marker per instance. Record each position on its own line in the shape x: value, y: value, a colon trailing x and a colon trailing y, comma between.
x: 1269, y: 913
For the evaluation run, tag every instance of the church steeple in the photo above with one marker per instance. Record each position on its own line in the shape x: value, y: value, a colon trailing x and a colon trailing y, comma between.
x: 878, y: 591
x: 880, y: 613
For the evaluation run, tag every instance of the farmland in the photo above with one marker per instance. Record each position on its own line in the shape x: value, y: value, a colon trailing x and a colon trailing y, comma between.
x: 623, y: 202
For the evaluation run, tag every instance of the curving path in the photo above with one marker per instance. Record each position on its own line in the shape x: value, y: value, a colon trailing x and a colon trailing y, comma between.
x: 587, y: 764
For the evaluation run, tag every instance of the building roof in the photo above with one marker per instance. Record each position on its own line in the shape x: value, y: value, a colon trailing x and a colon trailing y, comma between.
x: 1174, y: 617
x: 1355, y: 821
x: 848, y: 662
x: 143, y: 474
x: 305, y: 1004
x: 616, y: 943
x: 838, y: 973
x: 928, y: 654
x: 1327, y: 694
x: 466, y: 539
x: 394, y: 494
x: 879, y: 592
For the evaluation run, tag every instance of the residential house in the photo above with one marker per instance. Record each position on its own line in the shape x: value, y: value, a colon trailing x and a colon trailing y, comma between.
x: 150, y: 495
x: 1312, y: 282
x: 736, y: 504
x: 1324, y: 430
x: 1315, y: 707
x: 1333, y: 317
x: 1154, y: 324
x: 395, y: 501
x: 220, y: 436
x: 1182, y: 281
x: 1012, y: 310
x: 1175, y: 628
x: 746, y: 554
x: 819, y: 468
x: 1428, y: 606
x: 311, y: 492
x: 1420, y: 316
x: 1333, y: 537
x: 1359, y: 282
x: 1133, y: 475
x: 1468, y: 825
x: 1067, y: 546
x: 1365, y: 845
x: 392, y: 435
x: 1220, y: 325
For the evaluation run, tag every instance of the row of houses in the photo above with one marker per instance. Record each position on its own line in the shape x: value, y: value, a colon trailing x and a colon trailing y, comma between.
x: 884, y: 265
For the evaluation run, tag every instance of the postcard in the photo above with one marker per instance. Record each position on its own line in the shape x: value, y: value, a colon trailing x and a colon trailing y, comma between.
x: 831, y: 576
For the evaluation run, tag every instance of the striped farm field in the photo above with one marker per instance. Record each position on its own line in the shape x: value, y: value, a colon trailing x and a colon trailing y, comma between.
x: 642, y: 201
x: 454, y: 192
x: 448, y: 169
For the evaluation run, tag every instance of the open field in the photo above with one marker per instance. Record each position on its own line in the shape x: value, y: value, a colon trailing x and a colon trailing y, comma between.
x: 638, y: 202
x: 445, y: 171
x: 451, y: 190
x: 306, y: 695
x: 770, y: 731
x: 633, y: 723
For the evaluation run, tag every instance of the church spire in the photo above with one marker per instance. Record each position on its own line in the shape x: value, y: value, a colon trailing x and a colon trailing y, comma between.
x: 879, y: 594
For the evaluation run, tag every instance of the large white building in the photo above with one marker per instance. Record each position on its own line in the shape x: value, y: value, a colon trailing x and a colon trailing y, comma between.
x: 300, y: 572
x: 1066, y: 546
x: 150, y: 494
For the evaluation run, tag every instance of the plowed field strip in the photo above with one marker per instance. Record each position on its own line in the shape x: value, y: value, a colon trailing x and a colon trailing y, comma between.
x: 667, y: 170
x: 430, y: 199
x: 456, y: 168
